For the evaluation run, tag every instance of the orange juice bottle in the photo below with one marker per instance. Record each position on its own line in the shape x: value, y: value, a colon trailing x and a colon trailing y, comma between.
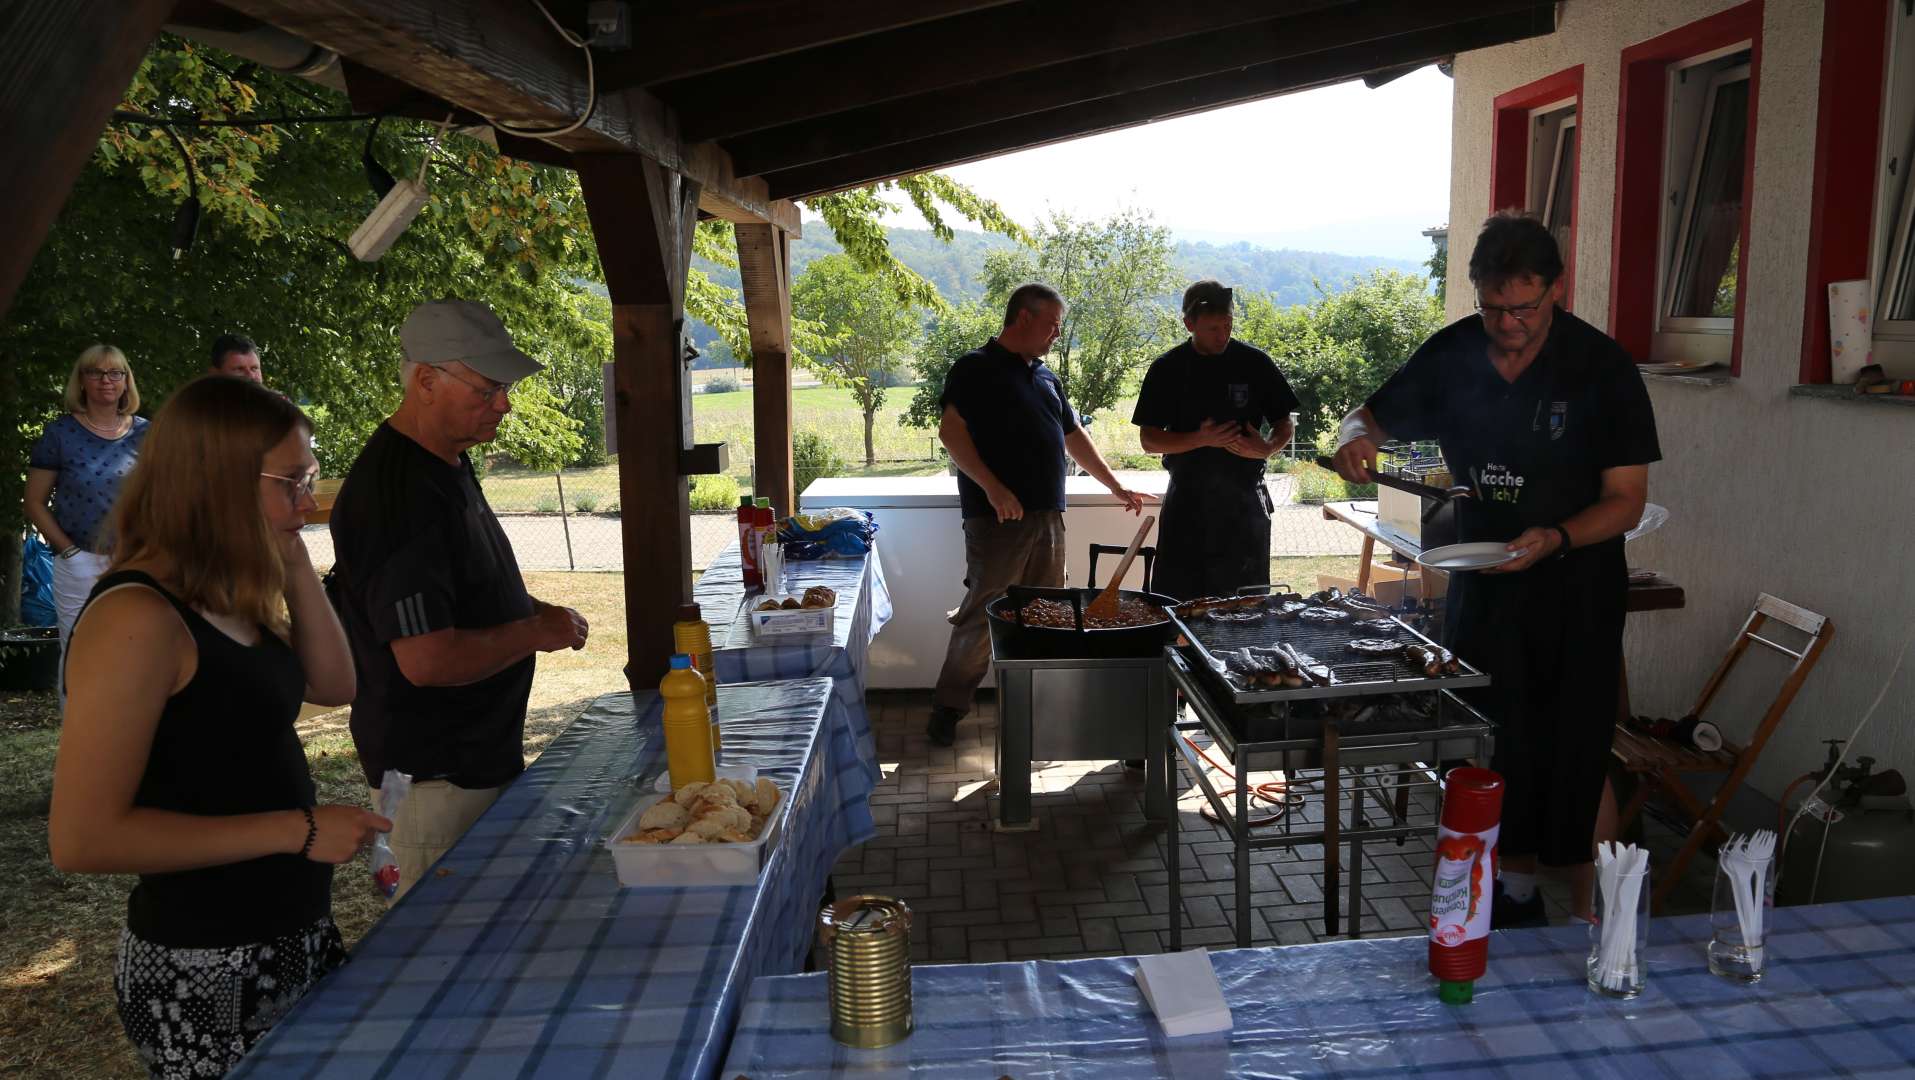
x: 691, y: 635
x: 688, y: 750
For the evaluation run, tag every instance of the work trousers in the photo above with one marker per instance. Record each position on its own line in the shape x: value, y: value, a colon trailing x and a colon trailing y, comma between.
x: 997, y: 555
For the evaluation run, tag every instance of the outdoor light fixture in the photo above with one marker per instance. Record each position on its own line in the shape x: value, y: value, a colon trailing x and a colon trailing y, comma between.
x: 399, y: 202
x: 186, y: 218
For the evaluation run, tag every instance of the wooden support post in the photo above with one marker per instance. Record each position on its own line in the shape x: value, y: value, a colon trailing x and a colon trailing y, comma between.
x: 764, y: 266
x: 63, y: 66
x: 642, y: 217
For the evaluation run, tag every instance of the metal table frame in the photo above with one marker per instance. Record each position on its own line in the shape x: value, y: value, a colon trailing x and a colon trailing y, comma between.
x: 1383, y: 766
x: 1079, y: 734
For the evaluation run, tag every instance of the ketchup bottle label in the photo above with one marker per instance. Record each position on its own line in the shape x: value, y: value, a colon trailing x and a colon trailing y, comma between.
x: 1460, y: 899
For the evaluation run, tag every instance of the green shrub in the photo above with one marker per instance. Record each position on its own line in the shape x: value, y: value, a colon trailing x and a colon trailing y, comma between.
x: 721, y: 384
x: 714, y: 492
x: 813, y: 456
x: 585, y: 504
x: 547, y: 504
x: 1316, y: 484
x: 1140, y: 462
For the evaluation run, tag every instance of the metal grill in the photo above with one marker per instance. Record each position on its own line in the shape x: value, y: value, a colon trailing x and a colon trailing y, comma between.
x: 1353, y: 675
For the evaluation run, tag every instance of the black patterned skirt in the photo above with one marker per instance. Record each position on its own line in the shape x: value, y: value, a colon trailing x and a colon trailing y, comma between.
x: 195, y: 1012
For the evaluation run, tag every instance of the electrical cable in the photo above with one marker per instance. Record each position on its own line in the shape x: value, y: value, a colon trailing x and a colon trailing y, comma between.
x: 591, y: 88
x: 264, y: 121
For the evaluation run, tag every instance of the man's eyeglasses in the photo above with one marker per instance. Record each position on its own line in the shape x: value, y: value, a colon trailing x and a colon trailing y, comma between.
x: 1522, y: 313
x: 108, y: 375
x: 297, y: 488
x: 492, y: 392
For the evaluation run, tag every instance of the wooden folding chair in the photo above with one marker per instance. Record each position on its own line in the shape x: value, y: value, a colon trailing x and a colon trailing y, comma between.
x: 1659, y: 764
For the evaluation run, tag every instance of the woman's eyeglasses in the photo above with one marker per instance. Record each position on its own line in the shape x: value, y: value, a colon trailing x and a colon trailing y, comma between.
x: 297, y: 488
x: 107, y: 375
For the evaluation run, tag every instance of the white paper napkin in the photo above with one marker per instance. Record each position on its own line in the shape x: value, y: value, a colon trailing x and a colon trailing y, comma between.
x: 1181, y: 988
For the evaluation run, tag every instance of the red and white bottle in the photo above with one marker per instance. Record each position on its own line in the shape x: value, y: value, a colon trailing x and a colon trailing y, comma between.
x: 1464, y: 881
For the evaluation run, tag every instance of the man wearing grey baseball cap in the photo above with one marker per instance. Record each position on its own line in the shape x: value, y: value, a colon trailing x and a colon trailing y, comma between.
x: 443, y: 631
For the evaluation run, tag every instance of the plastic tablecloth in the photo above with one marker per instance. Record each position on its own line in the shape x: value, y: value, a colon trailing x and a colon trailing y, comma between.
x: 864, y: 606
x: 1838, y: 1000
x: 521, y: 955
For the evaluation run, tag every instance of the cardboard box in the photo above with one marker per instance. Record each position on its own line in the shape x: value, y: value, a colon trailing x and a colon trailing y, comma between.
x: 787, y: 621
x: 1387, y: 584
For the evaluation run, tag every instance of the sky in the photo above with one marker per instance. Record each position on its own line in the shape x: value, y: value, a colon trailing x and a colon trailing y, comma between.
x: 1344, y: 169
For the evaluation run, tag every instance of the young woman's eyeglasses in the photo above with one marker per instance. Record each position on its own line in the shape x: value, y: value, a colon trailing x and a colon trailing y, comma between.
x: 492, y: 392
x: 297, y: 488
x: 107, y: 375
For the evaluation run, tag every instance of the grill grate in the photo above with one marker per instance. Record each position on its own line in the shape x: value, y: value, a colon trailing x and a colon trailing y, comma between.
x: 1354, y: 675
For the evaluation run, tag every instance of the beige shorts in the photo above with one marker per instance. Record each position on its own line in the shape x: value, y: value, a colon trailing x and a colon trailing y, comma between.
x: 429, y: 822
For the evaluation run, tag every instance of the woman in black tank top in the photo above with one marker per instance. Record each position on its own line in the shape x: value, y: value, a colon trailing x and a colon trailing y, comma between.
x: 178, y: 758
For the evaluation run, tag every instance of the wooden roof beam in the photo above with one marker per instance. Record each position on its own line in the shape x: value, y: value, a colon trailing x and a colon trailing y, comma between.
x: 951, y: 52
x: 668, y: 45
x: 1177, y: 99
x: 499, y: 59
x: 1108, y: 75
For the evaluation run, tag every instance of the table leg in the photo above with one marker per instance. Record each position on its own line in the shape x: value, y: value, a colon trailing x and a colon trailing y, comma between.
x: 1332, y: 819
x: 1173, y: 855
x: 1162, y: 712
x: 1242, y: 836
x: 1356, y: 858
x: 1013, y: 749
x: 1363, y: 568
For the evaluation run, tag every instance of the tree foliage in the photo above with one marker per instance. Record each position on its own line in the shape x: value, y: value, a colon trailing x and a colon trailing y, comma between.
x: 1113, y: 274
x: 867, y: 330
x: 953, y: 332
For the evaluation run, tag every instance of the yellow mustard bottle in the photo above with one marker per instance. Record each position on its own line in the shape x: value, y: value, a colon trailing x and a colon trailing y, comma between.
x: 688, y: 751
x: 691, y: 635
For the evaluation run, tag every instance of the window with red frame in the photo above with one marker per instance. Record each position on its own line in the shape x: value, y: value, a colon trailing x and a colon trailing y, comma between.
x: 1534, y: 158
x: 1685, y: 159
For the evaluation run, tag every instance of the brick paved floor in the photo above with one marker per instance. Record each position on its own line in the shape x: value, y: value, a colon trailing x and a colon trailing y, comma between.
x: 1091, y: 881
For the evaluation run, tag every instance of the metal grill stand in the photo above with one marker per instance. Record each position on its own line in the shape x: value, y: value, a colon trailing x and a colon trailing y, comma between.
x: 1376, y: 761
x: 1079, y: 710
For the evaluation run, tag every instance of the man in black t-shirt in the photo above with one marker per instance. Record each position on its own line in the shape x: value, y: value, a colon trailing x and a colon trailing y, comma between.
x: 1546, y: 420
x: 442, y: 630
x: 1007, y: 427
x: 1206, y: 406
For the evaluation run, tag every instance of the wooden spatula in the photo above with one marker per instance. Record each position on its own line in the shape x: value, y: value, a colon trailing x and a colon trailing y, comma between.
x: 1105, y: 606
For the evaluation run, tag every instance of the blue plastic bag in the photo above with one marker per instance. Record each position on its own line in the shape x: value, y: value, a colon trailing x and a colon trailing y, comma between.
x: 36, y: 583
x: 838, y: 532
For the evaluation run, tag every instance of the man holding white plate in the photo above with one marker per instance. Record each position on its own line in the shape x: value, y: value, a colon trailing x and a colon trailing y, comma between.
x: 1545, y: 419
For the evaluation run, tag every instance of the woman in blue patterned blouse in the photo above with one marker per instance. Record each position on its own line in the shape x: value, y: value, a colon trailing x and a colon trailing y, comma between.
x: 74, y: 473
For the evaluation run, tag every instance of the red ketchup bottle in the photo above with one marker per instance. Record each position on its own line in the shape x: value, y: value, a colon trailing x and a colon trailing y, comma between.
x: 747, y: 546
x: 1464, y: 880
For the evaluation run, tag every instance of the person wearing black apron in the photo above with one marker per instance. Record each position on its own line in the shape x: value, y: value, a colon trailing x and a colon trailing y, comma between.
x: 1546, y: 420
x: 1205, y: 406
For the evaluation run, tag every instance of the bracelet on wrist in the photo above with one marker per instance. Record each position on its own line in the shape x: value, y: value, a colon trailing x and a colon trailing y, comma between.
x: 312, y: 832
x: 1563, y: 534
x: 70, y: 551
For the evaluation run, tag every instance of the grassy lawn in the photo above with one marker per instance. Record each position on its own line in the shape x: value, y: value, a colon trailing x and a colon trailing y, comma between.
x: 57, y: 1018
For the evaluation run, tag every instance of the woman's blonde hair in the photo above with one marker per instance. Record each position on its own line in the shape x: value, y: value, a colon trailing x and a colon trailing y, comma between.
x: 76, y: 397
x: 192, y: 502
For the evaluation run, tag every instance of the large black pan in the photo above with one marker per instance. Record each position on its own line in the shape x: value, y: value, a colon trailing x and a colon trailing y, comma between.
x: 1012, y: 638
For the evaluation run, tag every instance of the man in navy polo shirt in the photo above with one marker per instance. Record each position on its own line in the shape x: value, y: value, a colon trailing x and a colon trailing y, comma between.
x: 1007, y: 426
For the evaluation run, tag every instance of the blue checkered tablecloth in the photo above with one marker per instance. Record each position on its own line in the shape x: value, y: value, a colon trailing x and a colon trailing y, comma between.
x: 521, y: 955
x: 864, y: 606
x: 1838, y: 1000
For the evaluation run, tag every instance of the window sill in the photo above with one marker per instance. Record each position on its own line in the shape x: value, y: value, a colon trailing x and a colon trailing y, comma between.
x: 1840, y: 392
x: 1712, y: 381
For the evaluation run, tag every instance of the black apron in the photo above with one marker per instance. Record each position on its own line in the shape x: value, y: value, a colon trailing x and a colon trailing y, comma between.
x: 1551, y: 636
x: 1213, y: 535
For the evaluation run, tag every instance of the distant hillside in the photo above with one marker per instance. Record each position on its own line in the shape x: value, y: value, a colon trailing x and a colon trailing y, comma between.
x: 1291, y: 277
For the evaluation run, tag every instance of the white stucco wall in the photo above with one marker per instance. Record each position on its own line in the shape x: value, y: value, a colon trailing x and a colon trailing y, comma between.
x: 1813, y: 501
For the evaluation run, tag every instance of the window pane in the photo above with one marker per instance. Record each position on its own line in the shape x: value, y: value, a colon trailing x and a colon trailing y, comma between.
x: 1561, y: 223
x: 1705, y: 283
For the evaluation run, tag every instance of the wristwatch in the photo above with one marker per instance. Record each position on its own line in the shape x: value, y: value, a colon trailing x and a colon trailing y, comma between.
x: 71, y: 551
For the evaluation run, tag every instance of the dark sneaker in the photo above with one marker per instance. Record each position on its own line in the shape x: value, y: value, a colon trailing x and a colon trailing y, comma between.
x: 942, y: 730
x: 1507, y: 914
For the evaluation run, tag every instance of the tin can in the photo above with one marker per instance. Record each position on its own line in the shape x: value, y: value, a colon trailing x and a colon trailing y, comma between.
x: 867, y: 941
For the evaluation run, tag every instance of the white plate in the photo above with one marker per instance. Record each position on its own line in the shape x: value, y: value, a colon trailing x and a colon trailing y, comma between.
x: 1466, y: 556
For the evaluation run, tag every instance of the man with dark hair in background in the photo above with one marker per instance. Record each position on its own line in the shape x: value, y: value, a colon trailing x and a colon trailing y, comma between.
x: 1205, y: 406
x: 1008, y: 428
x: 1545, y: 418
x: 236, y: 355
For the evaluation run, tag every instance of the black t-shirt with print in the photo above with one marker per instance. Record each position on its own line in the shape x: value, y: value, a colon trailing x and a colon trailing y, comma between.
x: 418, y: 550
x: 1018, y: 418
x: 1533, y: 451
x: 1184, y: 388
